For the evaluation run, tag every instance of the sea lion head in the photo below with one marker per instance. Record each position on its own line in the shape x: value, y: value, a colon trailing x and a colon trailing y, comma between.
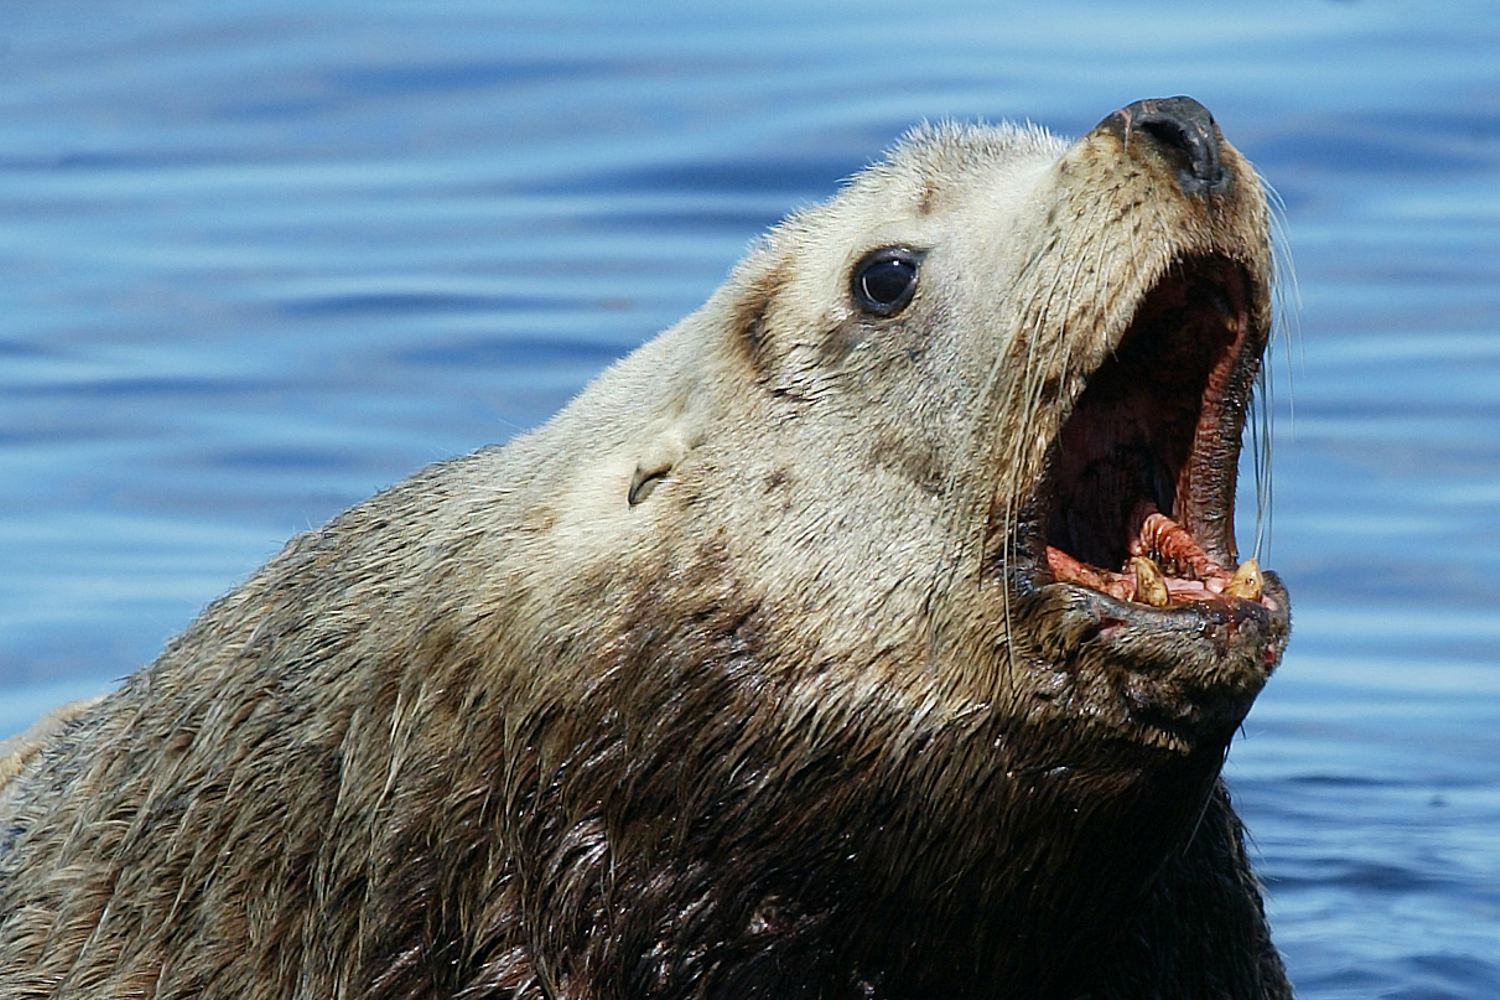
x: 966, y: 436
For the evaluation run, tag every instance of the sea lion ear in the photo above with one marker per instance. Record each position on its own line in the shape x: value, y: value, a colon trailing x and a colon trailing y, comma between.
x: 661, y: 453
x: 645, y: 481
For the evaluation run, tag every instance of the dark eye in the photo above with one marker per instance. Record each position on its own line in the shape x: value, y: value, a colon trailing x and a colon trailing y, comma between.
x: 885, y: 280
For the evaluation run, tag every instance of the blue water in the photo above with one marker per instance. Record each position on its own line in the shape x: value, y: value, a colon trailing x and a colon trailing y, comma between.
x: 258, y: 261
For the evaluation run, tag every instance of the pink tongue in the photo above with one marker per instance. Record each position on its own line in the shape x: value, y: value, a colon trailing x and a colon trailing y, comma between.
x: 1190, y: 574
x: 1161, y: 539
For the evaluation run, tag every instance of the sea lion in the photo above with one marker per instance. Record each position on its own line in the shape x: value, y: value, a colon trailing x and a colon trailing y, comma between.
x: 876, y: 631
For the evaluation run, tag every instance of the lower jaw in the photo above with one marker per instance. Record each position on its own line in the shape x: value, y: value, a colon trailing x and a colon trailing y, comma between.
x: 1177, y: 679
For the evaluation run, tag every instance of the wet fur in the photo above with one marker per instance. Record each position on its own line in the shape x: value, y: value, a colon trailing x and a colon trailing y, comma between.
x: 784, y: 728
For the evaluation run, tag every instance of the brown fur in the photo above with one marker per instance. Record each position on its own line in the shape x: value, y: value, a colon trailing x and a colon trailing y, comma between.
x: 786, y: 727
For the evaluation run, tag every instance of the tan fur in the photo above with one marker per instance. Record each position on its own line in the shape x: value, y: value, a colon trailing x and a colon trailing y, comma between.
x: 18, y: 751
x: 500, y: 732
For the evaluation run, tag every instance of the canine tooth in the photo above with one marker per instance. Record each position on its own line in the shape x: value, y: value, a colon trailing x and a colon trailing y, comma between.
x: 1150, y: 585
x: 1247, y: 583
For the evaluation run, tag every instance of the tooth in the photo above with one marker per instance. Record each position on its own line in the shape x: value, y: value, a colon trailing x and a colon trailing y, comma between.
x: 1247, y: 583
x: 1150, y: 585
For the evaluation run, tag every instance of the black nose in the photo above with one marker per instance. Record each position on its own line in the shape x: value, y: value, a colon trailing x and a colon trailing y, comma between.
x: 1185, y: 133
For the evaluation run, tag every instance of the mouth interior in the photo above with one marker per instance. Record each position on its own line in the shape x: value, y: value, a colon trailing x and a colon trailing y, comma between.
x: 1143, y: 476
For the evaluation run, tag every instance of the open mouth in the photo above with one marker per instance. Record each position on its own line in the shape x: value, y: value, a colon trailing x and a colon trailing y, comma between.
x: 1138, y: 502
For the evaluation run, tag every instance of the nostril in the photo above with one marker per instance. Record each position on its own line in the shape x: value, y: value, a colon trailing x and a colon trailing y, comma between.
x: 1167, y: 132
x: 1194, y: 145
x: 1185, y: 132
